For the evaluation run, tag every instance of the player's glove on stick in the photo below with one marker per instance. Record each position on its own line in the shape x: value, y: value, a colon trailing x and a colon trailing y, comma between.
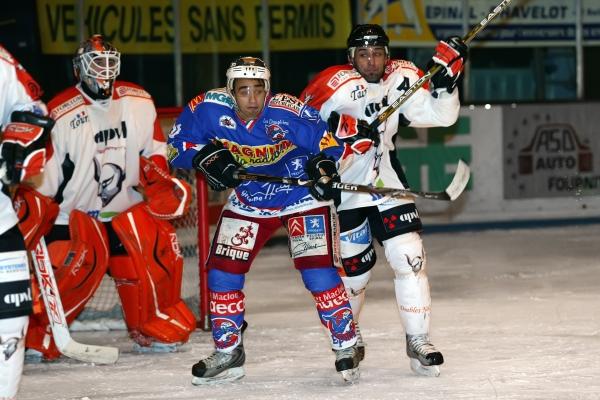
x: 354, y: 132
x: 23, y: 147
x: 322, y: 170
x: 218, y: 165
x: 451, y: 54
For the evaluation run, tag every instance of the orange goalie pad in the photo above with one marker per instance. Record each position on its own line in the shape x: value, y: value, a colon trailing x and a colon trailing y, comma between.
x: 79, y: 266
x: 149, y: 278
x: 36, y: 214
x: 166, y: 197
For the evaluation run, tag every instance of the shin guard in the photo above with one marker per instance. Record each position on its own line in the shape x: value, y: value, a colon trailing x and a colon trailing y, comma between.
x: 12, y: 352
x: 80, y: 264
x: 149, y: 279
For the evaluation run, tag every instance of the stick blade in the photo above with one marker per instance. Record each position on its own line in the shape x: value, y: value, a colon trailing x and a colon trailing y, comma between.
x: 460, y: 180
x: 90, y: 353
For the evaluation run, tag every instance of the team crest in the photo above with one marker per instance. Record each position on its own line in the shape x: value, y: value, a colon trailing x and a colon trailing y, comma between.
x: 225, y: 332
x: 276, y: 132
x: 340, y: 323
x: 227, y: 122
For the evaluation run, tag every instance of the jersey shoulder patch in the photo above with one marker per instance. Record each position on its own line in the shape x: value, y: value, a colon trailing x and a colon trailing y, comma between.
x: 217, y: 96
x: 287, y: 102
x: 65, y: 102
x: 340, y: 74
x: 125, y: 89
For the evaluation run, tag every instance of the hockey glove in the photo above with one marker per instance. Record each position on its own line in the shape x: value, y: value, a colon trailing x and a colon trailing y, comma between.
x: 354, y: 132
x: 166, y: 197
x: 23, y: 147
x: 322, y: 170
x: 451, y: 54
x: 218, y: 165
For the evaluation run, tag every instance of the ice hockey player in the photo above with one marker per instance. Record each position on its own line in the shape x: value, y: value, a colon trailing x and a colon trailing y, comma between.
x: 108, y: 148
x: 25, y: 129
x: 352, y: 95
x: 242, y: 127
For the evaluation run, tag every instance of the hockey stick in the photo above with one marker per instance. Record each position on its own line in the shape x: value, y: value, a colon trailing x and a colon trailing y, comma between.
x: 451, y: 193
x: 56, y: 314
x: 436, y: 68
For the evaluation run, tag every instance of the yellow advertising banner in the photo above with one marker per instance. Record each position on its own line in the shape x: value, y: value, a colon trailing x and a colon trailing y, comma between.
x: 404, y: 20
x: 207, y: 26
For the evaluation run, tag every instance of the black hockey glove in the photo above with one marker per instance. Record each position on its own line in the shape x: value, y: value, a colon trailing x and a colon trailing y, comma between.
x: 23, y: 147
x: 451, y: 54
x: 218, y: 165
x: 354, y: 132
x: 323, y: 171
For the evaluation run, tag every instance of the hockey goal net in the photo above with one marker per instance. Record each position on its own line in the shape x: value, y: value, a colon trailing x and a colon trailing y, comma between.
x: 103, y: 311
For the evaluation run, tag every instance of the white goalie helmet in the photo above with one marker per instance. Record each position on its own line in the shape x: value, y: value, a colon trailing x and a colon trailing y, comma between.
x: 96, y: 65
x: 249, y: 68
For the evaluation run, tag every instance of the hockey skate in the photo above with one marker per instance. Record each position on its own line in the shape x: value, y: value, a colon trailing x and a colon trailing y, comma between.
x: 346, y: 363
x: 424, y: 357
x: 220, y: 367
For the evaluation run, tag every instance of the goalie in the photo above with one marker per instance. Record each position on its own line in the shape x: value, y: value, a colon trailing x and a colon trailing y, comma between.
x: 22, y: 154
x: 109, y: 175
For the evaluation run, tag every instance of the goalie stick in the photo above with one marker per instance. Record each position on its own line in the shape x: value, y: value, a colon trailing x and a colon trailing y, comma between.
x: 436, y: 68
x: 56, y: 314
x: 451, y: 193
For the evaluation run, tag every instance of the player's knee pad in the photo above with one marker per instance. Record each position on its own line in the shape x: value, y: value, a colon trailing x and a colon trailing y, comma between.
x: 36, y: 214
x: 12, y: 351
x: 355, y: 289
x: 79, y: 266
x: 149, y: 278
x: 406, y: 255
x: 358, y: 253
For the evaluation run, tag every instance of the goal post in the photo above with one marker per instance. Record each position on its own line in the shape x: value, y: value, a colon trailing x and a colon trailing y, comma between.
x: 103, y: 311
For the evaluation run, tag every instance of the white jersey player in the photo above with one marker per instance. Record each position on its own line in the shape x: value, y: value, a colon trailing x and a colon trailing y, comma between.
x: 107, y: 142
x: 22, y: 154
x: 352, y: 96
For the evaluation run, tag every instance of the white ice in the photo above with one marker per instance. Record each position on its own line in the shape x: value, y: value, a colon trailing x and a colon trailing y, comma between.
x: 515, y: 313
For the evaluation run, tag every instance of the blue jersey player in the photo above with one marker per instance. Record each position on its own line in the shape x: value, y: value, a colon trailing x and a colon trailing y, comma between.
x: 244, y: 128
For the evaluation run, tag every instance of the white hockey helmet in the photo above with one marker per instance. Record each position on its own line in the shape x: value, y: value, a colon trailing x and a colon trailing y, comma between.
x: 250, y: 68
x: 96, y: 65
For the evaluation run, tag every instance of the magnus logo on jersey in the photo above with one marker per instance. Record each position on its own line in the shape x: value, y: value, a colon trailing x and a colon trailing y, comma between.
x: 106, y: 135
x: 80, y: 119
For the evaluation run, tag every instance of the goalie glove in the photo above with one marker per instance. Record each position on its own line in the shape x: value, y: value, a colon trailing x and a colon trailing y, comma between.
x: 354, y: 132
x: 23, y: 146
x: 166, y: 197
x: 451, y: 54
x: 322, y: 170
x: 218, y: 165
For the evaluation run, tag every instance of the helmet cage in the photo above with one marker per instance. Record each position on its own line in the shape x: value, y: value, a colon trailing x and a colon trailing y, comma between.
x: 97, y: 64
x: 248, y: 68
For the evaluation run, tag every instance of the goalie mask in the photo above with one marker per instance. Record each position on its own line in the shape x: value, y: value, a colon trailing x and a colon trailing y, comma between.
x: 367, y: 35
x: 96, y: 65
x: 249, y: 68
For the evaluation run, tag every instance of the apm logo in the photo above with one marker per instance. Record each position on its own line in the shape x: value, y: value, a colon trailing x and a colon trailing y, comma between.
x: 555, y: 147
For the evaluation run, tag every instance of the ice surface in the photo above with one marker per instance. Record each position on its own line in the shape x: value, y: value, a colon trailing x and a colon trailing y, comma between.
x: 515, y: 313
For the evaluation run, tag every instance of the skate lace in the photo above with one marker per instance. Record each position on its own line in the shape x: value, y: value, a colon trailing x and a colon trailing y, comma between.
x: 348, y: 352
x: 421, y: 344
x: 217, y: 358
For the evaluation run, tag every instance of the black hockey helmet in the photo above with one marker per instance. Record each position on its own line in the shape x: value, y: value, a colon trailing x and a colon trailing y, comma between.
x: 367, y: 35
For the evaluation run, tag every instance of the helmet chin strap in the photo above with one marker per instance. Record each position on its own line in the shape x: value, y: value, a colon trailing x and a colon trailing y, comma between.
x: 100, y: 94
